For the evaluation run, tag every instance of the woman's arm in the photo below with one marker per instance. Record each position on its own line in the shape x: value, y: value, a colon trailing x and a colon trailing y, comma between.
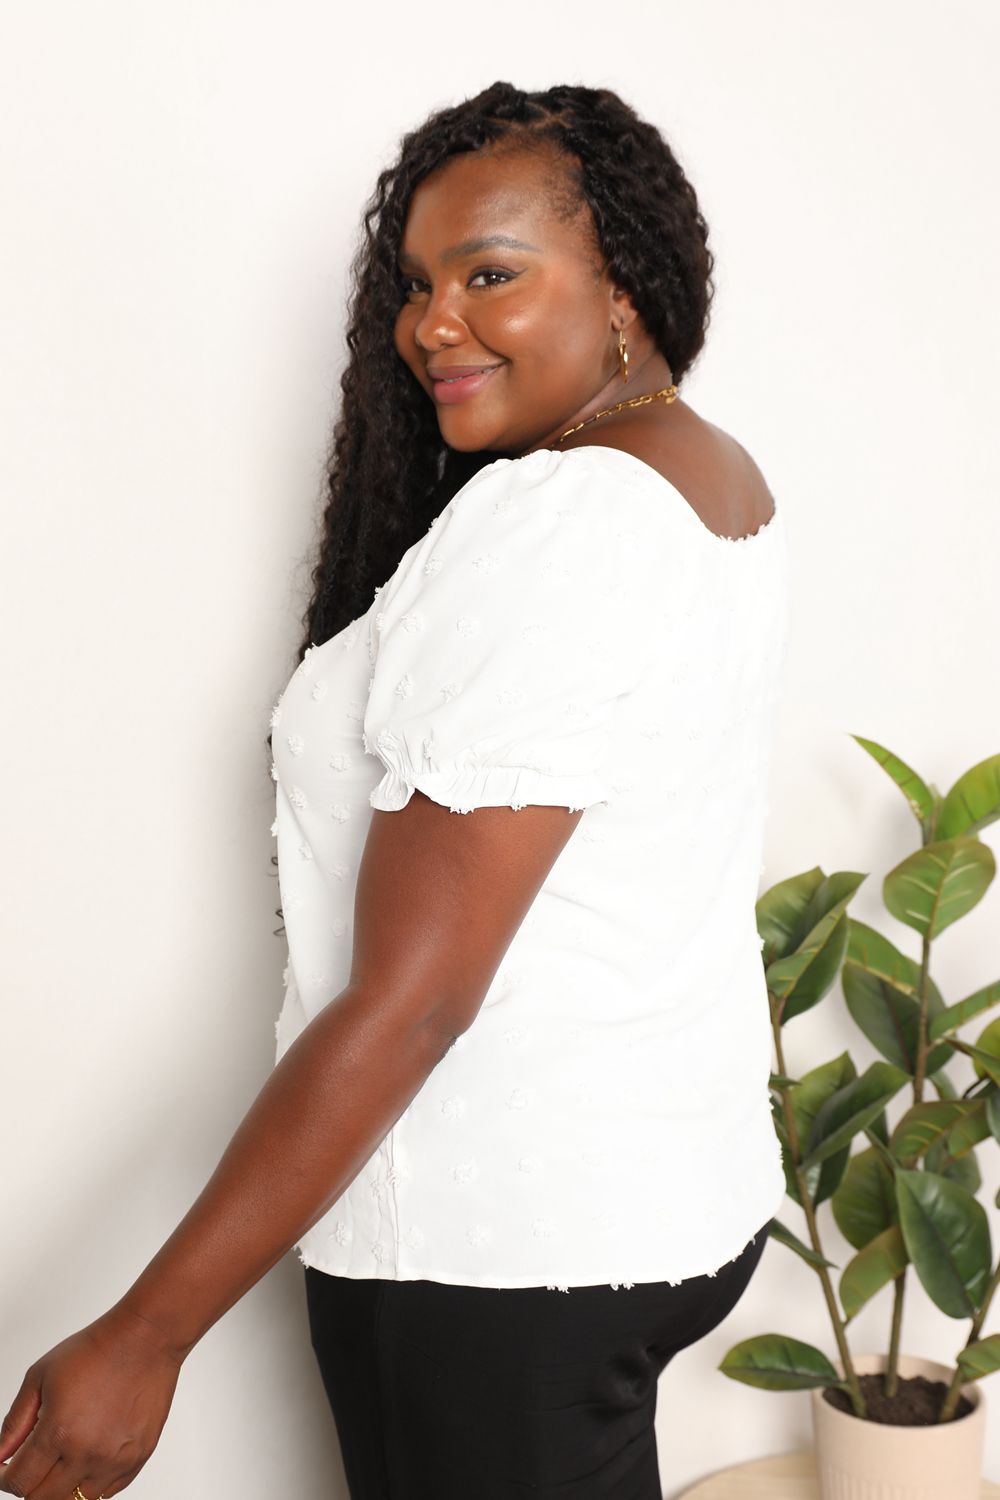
x: 439, y: 899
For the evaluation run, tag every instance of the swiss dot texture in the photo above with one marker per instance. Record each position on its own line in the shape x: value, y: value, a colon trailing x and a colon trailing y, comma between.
x: 567, y: 633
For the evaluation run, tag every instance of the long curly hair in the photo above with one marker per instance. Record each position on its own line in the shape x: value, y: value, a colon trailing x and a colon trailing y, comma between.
x: 388, y: 471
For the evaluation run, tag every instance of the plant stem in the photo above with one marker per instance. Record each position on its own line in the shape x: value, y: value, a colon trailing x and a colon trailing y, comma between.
x: 957, y: 1380
x: 919, y: 1074
x: 925, y: 995
x: 809, y: 1209
x: 892, y: 1367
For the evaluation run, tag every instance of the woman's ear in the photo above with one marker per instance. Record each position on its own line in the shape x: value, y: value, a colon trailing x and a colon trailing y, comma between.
x: 623, y: 313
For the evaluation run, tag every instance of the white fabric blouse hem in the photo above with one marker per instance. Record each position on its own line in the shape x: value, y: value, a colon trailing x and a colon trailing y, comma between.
x: 641, y: 1269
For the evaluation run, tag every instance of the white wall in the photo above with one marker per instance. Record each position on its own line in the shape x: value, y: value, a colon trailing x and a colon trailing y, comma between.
x: 182, y: 186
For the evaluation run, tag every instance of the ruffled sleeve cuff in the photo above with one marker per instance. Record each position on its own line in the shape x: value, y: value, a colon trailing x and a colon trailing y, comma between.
x: 464, y: 788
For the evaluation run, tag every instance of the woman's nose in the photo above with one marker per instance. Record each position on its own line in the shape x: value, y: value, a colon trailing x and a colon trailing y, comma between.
x: 439, y: 323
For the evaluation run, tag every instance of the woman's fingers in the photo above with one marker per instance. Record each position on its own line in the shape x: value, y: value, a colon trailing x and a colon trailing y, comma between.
x: 53, y: 1460
x: 4, y: 1486
x: 33, y: 1458
x: 63, y: 1478
x: 60, y: 1482
x: 96, y: 1484
x: 40, y: 1477
x: 32, y: 1464
x: 21, y: 1417
x: 92, y: 1409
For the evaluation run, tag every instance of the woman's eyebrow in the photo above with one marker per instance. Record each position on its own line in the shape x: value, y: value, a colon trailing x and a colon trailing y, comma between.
x: 473, y: 247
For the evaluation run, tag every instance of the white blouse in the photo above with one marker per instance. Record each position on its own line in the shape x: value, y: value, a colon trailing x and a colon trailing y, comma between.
x: 567, y: 632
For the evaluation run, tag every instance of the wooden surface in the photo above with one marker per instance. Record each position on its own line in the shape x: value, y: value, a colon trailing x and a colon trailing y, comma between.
x: 787, y: 1476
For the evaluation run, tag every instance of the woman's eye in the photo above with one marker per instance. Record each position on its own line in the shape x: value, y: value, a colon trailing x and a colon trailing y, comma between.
x: 503, y: 275
x: 413, y: 284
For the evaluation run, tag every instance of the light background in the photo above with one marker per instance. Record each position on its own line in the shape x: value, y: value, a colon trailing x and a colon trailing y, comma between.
x: 182, y: 185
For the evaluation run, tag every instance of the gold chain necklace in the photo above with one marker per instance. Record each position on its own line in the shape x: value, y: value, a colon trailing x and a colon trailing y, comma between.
x: 668, y: 394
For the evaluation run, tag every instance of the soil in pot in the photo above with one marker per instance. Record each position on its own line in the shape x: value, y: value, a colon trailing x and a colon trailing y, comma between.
x: 916, y: 1403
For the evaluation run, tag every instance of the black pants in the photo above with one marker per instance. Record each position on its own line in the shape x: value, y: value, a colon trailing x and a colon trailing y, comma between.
x: 470, y: 1393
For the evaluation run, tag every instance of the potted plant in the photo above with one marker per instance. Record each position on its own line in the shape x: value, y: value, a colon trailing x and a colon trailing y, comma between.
x: 887, y: 1423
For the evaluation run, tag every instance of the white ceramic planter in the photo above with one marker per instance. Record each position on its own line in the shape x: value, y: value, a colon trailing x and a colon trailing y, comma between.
x: 858, y: 1460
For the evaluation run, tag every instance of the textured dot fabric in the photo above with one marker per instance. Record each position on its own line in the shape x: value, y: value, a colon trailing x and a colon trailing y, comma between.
x: 567, y: 633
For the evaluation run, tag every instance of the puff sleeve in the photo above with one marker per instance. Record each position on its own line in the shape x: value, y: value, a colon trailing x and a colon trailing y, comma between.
x: 507, y: 638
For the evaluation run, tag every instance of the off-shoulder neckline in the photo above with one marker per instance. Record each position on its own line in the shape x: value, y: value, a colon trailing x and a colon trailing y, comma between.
x: 643, y: 469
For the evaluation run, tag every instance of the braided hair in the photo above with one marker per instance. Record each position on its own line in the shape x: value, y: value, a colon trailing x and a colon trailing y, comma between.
x: 388, y: 470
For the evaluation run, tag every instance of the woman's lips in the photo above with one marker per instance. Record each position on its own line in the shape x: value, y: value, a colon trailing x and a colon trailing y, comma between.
x: 460, y: 388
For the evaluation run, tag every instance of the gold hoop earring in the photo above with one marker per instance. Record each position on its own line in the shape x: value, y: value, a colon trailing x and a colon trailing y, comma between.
x: 623, y: 355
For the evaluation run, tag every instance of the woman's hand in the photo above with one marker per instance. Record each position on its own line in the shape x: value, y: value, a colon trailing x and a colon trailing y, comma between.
x: 90, y: 1412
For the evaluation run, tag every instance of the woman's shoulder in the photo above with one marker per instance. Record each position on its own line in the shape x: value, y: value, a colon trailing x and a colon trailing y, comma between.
x: 695, y: 462
x: 564, y: 533
x: 588, y: 494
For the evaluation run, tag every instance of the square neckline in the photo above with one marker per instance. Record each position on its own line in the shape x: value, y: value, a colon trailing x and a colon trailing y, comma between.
x: 770, y: 525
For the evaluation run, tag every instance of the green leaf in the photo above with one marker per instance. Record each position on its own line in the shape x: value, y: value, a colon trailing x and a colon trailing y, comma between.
x: 957, y: 1015
x: 946, y: 1089
x: 874, y: 1266
x: 936, y: 885
x: 961, y: 1169
x: 865, y: 1202
x: 993, y: 1114
x: 778, y: 1081
x: 816, y: 1086
x: 883, y: 1150
x: 921, y: 1126
x: 786, y: 1237
x: 868, y: 948
x: 780, y: 910
x: 973, y: 802
x: 988, y: 1043
x: 776, y: 1363
x: 850, y: 1109
x: 802, y: 979
x: 981, y: 1358
x: 973, y: 1127
x: 989, y: 1064
x: 889, y: 1018
x: 914, y: 789
x: 830, y: 897
x: 947, y: 1238
x: 806, y: 1099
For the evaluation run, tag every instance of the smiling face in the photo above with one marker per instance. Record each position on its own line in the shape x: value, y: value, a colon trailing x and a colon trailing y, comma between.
x: 501, y: 282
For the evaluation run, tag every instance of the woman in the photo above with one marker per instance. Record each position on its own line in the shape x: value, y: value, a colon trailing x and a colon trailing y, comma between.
x: 519, y: 1126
